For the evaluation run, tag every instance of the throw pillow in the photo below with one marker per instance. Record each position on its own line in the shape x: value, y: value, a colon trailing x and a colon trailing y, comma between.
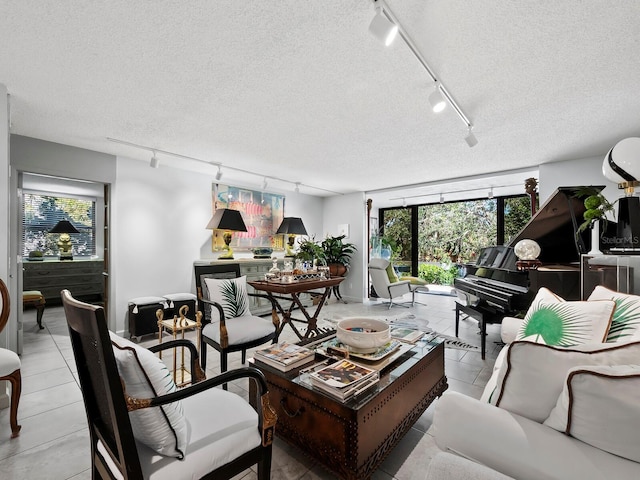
x: 533, y: 374
x: 231, y: 294
x: 552, y: 321
x: 599, y: 406
x: 164, y: 428
x: 391, y: 273
x: 625, y: 324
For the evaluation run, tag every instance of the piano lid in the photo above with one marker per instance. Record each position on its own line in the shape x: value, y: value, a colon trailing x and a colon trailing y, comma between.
x: 554, y: 227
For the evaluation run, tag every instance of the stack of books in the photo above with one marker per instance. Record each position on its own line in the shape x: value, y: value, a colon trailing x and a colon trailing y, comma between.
x: 344, y: 379
x: 284, y: 356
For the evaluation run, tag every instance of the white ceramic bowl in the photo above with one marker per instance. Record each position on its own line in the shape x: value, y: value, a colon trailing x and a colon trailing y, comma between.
x: 362, y: 334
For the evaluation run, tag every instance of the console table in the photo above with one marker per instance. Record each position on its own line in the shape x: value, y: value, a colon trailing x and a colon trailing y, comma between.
x: 83, y: 278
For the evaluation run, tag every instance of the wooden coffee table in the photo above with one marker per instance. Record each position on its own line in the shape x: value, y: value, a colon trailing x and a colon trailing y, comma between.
x: 352, y: 439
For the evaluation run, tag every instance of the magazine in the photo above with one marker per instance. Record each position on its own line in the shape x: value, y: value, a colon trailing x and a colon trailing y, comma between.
x: 406, y: 334
x: 284, y: 356
x: 346, y: 393
x: 342, y: 375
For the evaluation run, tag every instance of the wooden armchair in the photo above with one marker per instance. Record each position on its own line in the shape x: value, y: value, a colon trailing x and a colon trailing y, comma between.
x: 10, y: 363
x: 227, y: 325
x: 212, y: 433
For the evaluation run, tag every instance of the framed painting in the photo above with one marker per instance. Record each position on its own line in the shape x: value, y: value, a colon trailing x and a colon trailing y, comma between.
x: 262, y: 213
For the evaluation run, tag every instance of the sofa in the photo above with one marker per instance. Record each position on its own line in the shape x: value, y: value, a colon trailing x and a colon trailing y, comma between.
x: 563, y: 411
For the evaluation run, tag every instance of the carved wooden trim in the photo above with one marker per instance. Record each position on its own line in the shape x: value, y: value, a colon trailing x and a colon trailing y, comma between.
x: 269, y: 419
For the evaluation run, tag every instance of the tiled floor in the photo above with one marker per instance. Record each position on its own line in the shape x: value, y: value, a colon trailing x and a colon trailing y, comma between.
x: 54, y: 441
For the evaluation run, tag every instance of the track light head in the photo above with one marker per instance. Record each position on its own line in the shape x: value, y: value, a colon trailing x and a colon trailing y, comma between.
x: 382, y: 28
x: 471, y: 139
x: 490, y: 195
x: 264, y: 183
x: 441, y: 198
x: 155, y: 163
x: 219, y: 173
x: 436, y: 100
x: 404, y: 202
x: 297, y: 189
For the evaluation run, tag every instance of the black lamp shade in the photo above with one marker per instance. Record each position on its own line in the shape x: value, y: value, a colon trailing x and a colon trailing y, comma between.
x: 292, y: 225
x: 64, y: 226
x: 227, y: 219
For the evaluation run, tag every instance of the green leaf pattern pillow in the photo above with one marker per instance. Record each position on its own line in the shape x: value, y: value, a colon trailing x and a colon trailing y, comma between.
x: 231, y: 294
x: 552, y: 321
x: 625, y: 324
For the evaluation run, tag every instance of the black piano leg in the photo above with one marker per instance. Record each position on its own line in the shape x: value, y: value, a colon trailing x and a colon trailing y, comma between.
x: 483, y: 337
x: 457, y: 317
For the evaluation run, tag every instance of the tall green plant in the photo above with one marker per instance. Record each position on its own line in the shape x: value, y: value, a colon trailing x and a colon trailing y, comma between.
x: 337, y: 251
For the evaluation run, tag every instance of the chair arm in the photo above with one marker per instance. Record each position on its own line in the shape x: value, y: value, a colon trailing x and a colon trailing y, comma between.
x: 403, y: 284
x: 224, y: 336
x: 509, y: 329
x: 266, y: 415
x: 198, y: 373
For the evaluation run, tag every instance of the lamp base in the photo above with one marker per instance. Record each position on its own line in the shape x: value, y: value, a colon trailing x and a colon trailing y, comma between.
x: 628, y: 234
x: 65, y: 257
x: 227, y: 256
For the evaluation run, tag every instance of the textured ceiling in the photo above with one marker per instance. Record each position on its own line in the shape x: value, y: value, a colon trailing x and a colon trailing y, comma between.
x: 302, y: 91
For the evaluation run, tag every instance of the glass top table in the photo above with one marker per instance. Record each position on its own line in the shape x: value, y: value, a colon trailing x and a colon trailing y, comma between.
x: 351, y: 438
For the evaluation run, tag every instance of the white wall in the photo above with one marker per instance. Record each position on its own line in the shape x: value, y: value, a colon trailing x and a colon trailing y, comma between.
x: 579, y: 172
x: 351, y: 210
x: 4, y: 205
x: 158, y: 229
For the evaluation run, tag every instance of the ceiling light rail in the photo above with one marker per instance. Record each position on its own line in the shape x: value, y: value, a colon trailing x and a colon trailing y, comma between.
x: 440, y: 195
x: 382, y: 8
x: 220, y: 165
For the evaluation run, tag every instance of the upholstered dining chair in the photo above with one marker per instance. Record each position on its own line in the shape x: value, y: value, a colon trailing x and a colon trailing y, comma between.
x: 228, y: 325
x: 10, y: 364
x: 142, y: 426
x: 387, y: 285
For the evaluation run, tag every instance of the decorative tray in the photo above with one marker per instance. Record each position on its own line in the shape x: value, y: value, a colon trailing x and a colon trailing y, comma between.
x: 297, y: 278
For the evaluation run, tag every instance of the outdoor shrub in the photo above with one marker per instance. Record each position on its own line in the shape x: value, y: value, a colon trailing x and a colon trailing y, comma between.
x: 437, y: 274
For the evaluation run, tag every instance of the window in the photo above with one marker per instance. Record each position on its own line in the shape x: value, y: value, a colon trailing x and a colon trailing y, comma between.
x: 42, y: 212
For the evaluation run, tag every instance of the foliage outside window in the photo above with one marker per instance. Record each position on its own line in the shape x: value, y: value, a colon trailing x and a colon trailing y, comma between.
x: 450, y: 233
x: 43, y: 212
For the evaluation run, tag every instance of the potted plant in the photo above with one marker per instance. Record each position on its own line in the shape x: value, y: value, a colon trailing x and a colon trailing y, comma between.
x: 337, y: 254
x: 36, y: 256
x: 310, y: 250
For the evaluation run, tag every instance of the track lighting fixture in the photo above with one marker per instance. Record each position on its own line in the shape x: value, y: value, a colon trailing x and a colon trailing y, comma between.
x: 264, y: 183
x: 441, y: 198
x: 471, y: 139
x: 491, y: 193
x: 297, y: 189
x: 437, y: 100
x: 219, y: 165
x: 381, y: 27
x: 155, y: 163
x: 404, y: 202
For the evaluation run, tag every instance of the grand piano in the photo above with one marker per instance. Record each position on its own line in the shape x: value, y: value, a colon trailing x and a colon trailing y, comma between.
x: 493, y: 287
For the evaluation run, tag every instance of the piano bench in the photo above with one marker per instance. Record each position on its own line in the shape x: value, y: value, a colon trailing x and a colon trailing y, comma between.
x: 482, y: 321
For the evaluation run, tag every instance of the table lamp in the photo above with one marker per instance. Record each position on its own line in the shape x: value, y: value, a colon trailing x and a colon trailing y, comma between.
x: 229, y: 221
x: 622, y: 166
x: 64, y: 228
x: 291, y: 226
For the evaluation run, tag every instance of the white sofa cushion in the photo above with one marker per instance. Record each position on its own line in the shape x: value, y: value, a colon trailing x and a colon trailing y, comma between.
x: 600, y: 405
x: 231, y: 294
x: 552, y: 321
x: 447, y: 466
x: 163, y: 428
x: 518, y: 447
x: 625, y: 324
x: 533, y: 375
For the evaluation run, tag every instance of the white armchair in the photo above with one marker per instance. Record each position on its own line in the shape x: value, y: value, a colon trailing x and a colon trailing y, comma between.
x: 385, y: 288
